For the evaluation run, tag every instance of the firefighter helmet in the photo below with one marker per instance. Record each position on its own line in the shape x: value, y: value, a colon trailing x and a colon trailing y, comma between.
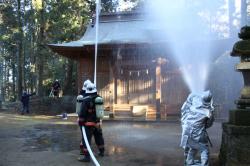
x: 85, y: 84
x: 91, y: 88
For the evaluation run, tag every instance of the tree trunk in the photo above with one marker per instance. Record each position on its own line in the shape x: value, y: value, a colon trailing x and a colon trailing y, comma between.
x: 7, y: 87
x: 40, y: 51
x: 231, y: 10
x: 1, y: 79
x: 40, y: 76
x: 33, y: 79
x: 20, y: 52
x: 4, y: 81
x: 13, y: 78
x: 243, y: 12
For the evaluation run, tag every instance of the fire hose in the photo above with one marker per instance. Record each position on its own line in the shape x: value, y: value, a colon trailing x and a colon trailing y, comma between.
x: 88, y: 147
x: 96, y: 45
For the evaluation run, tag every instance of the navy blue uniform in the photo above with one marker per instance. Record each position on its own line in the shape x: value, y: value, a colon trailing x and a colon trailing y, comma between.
x: 88, y: 119
x: 56, y: 88
x: 25, y: 101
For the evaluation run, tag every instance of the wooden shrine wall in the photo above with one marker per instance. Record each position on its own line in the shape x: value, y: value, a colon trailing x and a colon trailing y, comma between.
x: 131, y: 80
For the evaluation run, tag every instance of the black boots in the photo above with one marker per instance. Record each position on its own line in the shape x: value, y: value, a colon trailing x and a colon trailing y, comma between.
x: 84, y: 159
x: 101, y: 152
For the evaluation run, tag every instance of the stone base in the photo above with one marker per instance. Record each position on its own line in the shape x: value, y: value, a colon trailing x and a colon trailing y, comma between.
x: 240, y: 117
x: 235, y: 145
x: 242, y: 103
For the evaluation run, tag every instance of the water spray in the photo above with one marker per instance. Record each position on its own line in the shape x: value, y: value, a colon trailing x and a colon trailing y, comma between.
x: 96, y: 35
x: 189, y: 37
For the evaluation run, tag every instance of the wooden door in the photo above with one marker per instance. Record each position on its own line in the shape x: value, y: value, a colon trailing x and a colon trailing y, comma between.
x: 135, y: 86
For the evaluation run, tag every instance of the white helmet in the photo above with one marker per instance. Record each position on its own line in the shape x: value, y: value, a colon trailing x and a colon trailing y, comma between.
x: 91, y: 88
x: 85, y: 84
x: 207, y: 96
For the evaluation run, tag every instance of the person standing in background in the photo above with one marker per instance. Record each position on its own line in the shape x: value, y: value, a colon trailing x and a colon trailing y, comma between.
x: 25, y: 101
x: 56, y: 88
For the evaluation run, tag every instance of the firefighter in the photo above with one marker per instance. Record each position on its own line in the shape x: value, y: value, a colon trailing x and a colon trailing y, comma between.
x: 80, y: 98
x: 197, y: 115
x: 88, y: 119
x: 56, y: 88
x: 25, y: 101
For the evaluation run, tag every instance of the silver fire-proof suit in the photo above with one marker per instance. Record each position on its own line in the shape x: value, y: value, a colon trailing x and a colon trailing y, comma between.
x: 197, y: 114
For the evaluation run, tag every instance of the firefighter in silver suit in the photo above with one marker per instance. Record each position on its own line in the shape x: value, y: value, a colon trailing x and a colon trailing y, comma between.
x: 197, y: 114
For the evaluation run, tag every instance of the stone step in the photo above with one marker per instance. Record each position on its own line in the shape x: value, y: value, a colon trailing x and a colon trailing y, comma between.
x: 122, y: 107
x: 4, y: 109
x: 123, y: 113
x: 122, y: 110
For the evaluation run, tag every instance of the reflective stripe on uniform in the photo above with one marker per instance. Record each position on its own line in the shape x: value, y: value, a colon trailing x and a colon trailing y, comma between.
x: 90, y: 124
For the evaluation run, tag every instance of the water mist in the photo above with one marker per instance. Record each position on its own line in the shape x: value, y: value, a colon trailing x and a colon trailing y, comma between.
x: 188, y: 36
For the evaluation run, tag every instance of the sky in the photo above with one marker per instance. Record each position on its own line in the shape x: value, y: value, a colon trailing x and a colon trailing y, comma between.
x: 123, y: 5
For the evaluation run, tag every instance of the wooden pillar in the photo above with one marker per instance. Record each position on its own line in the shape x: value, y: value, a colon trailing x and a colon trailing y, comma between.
x: 158, y: 80
x: 127, y: 89
x: 115, y: 89
x: 159, y: 62
x: 111, y: 84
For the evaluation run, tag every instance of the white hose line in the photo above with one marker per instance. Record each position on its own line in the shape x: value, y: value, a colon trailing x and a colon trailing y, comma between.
x: 88, y: 147
x: 96, y: 36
